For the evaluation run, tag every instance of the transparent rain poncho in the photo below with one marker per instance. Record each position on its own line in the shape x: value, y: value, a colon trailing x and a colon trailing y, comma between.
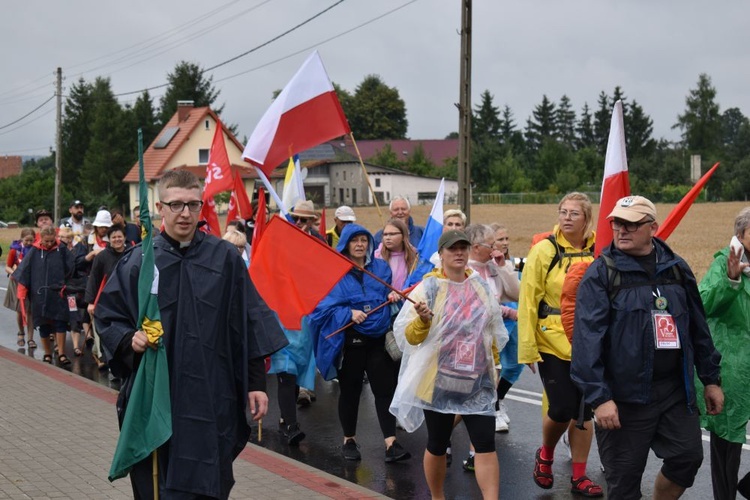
x: 453, y: 369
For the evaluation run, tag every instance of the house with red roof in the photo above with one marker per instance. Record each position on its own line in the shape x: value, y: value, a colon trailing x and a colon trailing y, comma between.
x: 10, y: 166
x: 437, y: 150
x: 184, y: 143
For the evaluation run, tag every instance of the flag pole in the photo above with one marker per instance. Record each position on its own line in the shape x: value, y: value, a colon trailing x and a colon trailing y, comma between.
x: 155, y: 469
x: 271, y: 190
x: 367, y: 178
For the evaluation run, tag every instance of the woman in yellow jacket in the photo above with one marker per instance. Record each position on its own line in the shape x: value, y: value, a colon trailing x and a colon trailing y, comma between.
x: 542, y: 340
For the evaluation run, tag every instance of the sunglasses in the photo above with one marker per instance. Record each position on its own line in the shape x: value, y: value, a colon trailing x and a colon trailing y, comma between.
x: 297, y: 218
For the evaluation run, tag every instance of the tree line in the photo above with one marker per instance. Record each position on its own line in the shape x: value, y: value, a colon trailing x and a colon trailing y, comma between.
x: 556, y: 151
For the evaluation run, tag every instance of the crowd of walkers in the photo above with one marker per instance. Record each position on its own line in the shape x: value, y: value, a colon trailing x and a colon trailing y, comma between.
x: 448, y: 350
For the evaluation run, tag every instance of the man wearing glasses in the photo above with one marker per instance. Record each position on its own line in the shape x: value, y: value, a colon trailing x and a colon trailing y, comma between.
x: 217, y: 330
x: 639, y: 334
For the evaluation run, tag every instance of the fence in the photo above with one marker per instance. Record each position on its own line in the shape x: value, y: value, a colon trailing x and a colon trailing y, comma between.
x: 523, y: 198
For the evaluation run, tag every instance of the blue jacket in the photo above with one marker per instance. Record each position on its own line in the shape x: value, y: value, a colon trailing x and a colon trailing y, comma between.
x: 613, y: 341
x: 356, y: 290
x: 415, y: 234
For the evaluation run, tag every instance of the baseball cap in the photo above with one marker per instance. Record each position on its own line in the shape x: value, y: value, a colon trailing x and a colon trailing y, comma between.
x: 76, y: 203
x: 633, y: 209
x: 450, y: 238
x: 345, y: 213
x: 42, y: 213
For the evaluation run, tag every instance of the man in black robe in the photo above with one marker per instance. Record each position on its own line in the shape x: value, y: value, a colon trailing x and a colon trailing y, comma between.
x: 217, y: 330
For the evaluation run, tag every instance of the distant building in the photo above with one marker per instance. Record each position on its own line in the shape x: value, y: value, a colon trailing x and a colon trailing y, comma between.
x: 184, y: 143
x: 438, y: 151
x: 10, y: 166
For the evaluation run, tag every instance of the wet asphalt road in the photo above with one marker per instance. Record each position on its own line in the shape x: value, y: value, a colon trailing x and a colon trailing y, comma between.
x: 321, y: 448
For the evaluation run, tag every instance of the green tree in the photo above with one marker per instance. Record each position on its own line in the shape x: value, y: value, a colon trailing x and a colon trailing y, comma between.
x: 377, y: 111
x: 602, y: 120
x: 419, y: 163
x: 585, y: 129
x: 619, y: 95
x: 144, y: 116
x: 109, y: 155
x: 187, y: 83
x: 77, y: 117
x: 385, y: 157
x: 701, y: 122
x: 542, y: 124
x: 565, y: 118
x: 733, y: 132
x: 485, y: 124
x: 638, y: 130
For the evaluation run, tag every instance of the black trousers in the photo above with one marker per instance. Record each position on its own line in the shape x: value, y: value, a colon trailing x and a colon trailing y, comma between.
x: 367, y: 356
x: 725, y: 467
x: 286, y: 393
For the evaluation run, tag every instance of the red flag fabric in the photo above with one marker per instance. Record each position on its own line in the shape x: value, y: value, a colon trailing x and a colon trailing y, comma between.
x: 616, y: 182
x: 219, y: 169
x: 208, y: 214
x: 679, y: 211
x: 323, y: 227
x: 305, y: 114
x: 260, y: 220
x: 239, y: 204
x: 293, y: 271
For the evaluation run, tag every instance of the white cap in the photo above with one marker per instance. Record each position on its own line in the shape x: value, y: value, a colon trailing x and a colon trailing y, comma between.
x: 345, y: 213
x: 103, y: 219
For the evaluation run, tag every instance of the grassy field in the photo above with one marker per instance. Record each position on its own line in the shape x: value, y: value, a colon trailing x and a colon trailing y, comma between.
x: 706, y: 228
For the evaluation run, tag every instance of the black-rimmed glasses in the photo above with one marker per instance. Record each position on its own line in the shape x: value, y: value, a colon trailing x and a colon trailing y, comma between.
x: 630, y: 227
x: 178, y: 206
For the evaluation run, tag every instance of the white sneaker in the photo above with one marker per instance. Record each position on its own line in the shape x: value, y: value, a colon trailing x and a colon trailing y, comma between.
x: 503, y: 412
x: 500, y: 424
x: 566, y: 443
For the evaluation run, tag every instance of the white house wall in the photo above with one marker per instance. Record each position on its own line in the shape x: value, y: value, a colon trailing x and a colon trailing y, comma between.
x: 409, y: 186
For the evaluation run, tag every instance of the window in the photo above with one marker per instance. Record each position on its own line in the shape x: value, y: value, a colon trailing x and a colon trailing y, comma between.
x: 354, y: 196
x: 347, y: 193
x: 344, y: 174
x: 203, y: 156
x: 208, y: 125
x: 341, y: 194
x: 377, y: 183
x: 388, y: 196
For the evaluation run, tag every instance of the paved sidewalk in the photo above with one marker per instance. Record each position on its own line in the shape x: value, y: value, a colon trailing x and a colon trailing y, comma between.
x: 58, y: 432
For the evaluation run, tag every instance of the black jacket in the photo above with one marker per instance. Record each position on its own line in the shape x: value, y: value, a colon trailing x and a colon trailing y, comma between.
x: 217, y: 330
x: 613, y: 341
x: 43, y: 272
x: 101, y: 268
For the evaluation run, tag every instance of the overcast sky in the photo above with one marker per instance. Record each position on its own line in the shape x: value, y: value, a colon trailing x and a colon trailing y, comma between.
x: 654, y: 50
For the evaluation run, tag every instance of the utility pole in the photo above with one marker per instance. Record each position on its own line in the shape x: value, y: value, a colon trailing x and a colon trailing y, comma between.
x: 464, y: 113
x: 58, y: 146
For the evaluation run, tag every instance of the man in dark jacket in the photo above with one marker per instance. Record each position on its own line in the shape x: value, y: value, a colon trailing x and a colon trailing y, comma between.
x: 639, y: 333
x: 217, y: 330
x: 401, y: 209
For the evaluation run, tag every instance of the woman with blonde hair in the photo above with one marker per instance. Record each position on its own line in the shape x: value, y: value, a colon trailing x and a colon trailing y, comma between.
x: 542, y: 340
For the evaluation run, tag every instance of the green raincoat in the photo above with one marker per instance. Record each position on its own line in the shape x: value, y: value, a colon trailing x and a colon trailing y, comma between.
x: 728, y: 313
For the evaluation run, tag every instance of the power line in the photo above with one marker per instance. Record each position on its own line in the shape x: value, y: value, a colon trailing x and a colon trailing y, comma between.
x: 318, y: 43
x: 244, y: 53
x: 27, y: 114
x: 28, y: 122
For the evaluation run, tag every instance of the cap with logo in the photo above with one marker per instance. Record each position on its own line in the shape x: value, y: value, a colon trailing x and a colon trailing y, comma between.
x: 450, y: 238
x: 633, y: 209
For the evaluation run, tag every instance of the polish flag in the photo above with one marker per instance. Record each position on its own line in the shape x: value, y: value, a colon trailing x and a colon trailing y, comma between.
x: 239, y: 204
x: 616, y: 183
x: 305, y: 114
x: 219, y: 169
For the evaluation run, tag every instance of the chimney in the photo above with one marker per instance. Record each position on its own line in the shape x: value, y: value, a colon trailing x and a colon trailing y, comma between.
x: 183, y: 110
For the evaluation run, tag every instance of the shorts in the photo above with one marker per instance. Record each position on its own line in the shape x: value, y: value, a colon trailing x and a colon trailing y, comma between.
x: 49, y: 327
x: 667, y: 426
x: 481, y: 430
x: 563, y: 396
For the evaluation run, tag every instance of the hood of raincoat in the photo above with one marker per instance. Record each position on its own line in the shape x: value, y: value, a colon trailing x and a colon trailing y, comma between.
x: 349, y: 232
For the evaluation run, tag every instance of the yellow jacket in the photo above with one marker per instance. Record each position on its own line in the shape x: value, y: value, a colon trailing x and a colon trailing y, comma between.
x: 546, y: 335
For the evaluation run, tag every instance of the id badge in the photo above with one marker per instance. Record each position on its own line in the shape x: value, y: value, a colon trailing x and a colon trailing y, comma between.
x: 466, y: 356
x: 665, y: 330
x: 72, y: 306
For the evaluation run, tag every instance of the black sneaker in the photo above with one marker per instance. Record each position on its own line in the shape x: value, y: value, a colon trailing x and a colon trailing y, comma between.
x: 448, y: 457
x: 469, y: 464
x: 396, y: 453
x: 292, y: 433
x: 351, y: 450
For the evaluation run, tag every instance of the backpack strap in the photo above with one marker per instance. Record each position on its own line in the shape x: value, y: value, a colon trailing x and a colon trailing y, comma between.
x: 614, y: 279
x: 560, y: 253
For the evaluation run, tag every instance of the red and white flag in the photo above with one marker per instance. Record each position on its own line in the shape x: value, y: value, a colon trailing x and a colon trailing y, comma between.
x: 305, y: 114
x: 616, y: 183
x: 219, y: 170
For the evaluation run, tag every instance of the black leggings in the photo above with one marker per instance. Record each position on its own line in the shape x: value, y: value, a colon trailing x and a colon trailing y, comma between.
x: 563, y: 396
x: 440, y: 426
x: 366, y: 356
x: 286, y: 393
